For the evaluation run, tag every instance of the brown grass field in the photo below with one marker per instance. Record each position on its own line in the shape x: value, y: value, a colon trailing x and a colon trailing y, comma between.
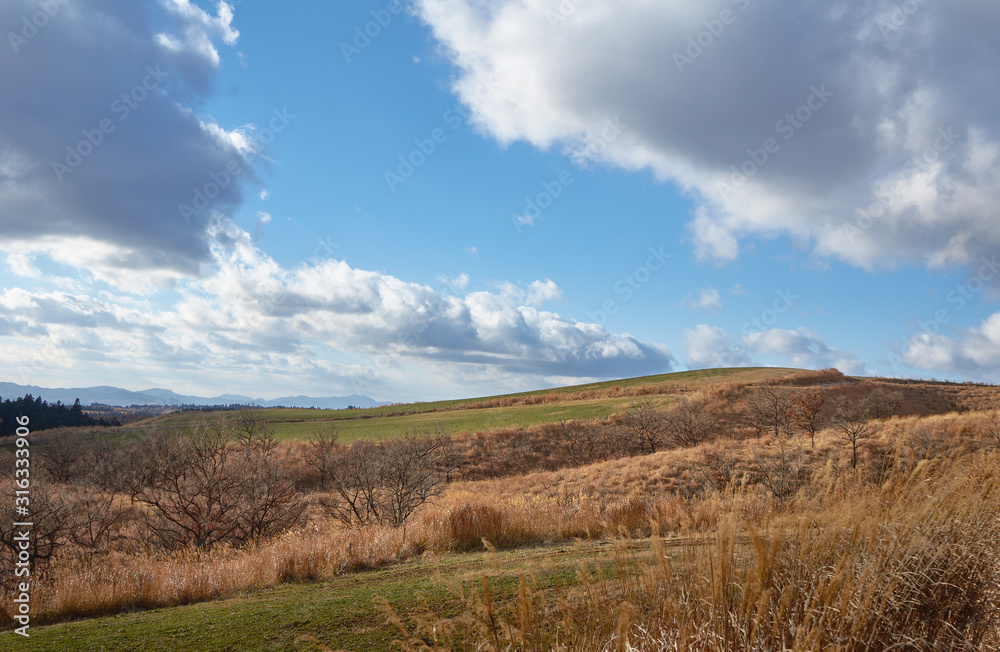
x: 743, y: 539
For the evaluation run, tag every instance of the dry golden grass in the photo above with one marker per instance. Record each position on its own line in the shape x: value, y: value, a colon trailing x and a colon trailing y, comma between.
x: 714, y: 487
x: 912, y: 564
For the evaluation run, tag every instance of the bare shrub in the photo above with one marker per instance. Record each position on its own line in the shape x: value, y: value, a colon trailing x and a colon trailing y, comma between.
x: 780, y: 467
x: 202, y: 487
x: 645, y: 423
x: 769, y: 410
x: 686, y: 424
x: 385, y: 482
x: 321, y: 453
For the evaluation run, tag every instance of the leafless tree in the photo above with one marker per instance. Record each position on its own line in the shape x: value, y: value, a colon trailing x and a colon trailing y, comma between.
x: 212, y: 484
x: 645, y: 423
x: 356, y: 484
x: 780, y: 467
x: 321, y: 453
x: 409, y: 476
x: 853, y: 423
x: 53, y: 517
x: 716, y: 469
x: 768, y: 409
x: 686, y: 424
x: 808, y: 413
x: 252, y: 427
x: 883, y: 403
x: 60, y: 455
x: 385, y: 482
x: 189, y: 492
x: 268, y: 503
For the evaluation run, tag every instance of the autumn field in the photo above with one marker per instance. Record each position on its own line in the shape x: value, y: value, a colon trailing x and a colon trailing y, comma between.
x: 719, y: 510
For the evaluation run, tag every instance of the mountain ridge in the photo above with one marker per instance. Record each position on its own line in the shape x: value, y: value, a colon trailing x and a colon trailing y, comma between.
x: 118, y: 396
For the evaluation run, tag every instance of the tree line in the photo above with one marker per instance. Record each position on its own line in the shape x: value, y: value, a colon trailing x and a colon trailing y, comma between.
x: 44, y: 416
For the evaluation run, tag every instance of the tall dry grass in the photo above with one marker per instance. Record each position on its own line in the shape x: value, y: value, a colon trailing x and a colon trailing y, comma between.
x: 913, y: 564
x: 685, y: 491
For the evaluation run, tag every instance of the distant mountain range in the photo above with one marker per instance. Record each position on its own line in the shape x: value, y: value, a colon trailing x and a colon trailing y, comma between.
x: 124, y: 397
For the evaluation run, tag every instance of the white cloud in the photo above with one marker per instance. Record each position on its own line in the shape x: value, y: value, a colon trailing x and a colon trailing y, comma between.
x: 708, y: 347
x: 897, y: 122
x: 459, y: 281
x: 308, y: 326
x: 803, y: 348
x: 21, y: 265
x: 975, y: 352
x: 707, y: 299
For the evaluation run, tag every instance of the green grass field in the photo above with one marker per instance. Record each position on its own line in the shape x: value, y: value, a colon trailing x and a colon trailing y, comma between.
x: 337, y: 615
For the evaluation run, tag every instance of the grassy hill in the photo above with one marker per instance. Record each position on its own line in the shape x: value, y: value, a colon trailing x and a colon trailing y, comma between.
x: 580, y: 402
x: 751, y: 517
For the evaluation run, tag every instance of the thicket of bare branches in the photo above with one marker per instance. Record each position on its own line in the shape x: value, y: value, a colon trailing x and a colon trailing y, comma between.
x: 385, y: 482
x: 220, y: 482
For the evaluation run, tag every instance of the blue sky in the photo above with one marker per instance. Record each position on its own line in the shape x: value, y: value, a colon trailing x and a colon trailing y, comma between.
x: 479, y: 197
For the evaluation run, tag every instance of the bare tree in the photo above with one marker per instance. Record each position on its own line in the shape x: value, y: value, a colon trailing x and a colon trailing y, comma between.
x: 53, y: 518
x: 686, y: 424
x: 808, y: 413
x: 883, y: 403
x: 853, y: 423
x: 716, y: 469
x: 387, y: 481
x: 356, y: 483
x: 645, y: 423
x: 187, y: 486
x: 212, y: 484
x: 321, y: 453
x: 268, y: 502
x: 780, y: 467
x: 769, y: 409
x: 252, y: 427
x: 60, y: 455
x: 409, y: 476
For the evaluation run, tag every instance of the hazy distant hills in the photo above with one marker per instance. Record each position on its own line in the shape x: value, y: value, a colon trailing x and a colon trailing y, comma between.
x: 118, y: 396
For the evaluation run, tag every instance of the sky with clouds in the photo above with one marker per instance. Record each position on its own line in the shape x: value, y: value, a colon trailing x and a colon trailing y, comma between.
x: 438, y: 198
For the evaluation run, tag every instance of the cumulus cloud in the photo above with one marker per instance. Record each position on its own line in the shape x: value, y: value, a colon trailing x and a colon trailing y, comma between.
x: 975, y: 352
x: 708, y: 347
x: 96, y: 179
x: 251, y: 313
x: 803, y: 348
x: 870, y: 133
x: 707, y: 299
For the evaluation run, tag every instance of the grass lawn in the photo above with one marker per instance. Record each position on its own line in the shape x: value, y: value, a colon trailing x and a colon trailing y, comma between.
x: 337, y: 615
